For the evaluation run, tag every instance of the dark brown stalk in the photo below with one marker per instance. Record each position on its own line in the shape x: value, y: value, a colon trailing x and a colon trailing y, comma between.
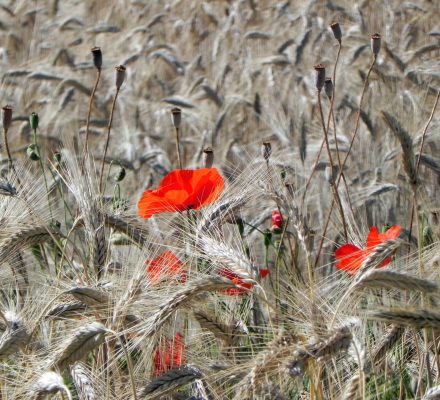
x: 178, y: 148
x: 109, y: 127
x: 8, y: 152
x: 89, y: 112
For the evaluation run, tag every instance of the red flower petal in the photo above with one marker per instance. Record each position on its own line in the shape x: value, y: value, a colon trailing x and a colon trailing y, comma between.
x: 169, y: 354
x: 182, y: 190
x: 264, y: 272
x: 392, y: 233
x: 373, y: 237
x: 236, y: 280
x: 166, y: 265
x: 351, y: 258
x: 277, y: 221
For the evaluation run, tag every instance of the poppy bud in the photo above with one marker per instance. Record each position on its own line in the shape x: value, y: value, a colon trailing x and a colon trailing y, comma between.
x: 177, y: 117
x: 266, y: 150
x: 57, y: 157
x: 336, y: 29
x: 283, y: 174
x: 208, y: 157
x: 97, y: 57
x: 120, y: 175
x: 240, y: 225
x: 320, y: 76
x: 33, y: 120
x: 267, y: 238
x: 328, y: 87
x: 375, y: 43
x: 120, y: 76
x: 277, y: 222
x: 32, y: 152
x: 6, y: 117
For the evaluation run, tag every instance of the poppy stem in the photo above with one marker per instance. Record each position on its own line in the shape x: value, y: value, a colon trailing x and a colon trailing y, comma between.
x: 109, y: 127
x: 11, y: 165
x: 178, y: 148
x: 89, y: 112
x: 425, y: 129
x: 330, y: 158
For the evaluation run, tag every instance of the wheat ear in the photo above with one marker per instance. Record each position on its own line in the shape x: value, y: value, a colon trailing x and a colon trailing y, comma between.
x: 170, y: 381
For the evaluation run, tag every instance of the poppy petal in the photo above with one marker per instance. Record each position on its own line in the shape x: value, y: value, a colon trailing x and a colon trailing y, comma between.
x: 392, y: 233
x: 181, y: 190
x: 166, y: 265
x: 264, y: 272
x: 351, y: 258
x: 373, y: 237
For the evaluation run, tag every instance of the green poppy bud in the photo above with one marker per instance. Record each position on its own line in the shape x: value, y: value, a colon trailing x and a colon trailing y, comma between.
x: 33, y: 153
x: 267, y: 238
x: 240, y: 225
x: 33, y: 119
x: 120, y: 175
x: 57, y: 157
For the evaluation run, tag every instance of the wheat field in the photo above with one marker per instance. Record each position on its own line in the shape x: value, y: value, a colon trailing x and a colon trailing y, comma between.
x: 232, y: 199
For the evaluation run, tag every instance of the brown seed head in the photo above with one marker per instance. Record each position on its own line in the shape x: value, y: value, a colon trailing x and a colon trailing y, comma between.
x: 176, y: 113
x: 97, y: 57
x: 208, y: 157
x: 336, y: 29
x: 120, y: 75
x: 320, y: 76
x: 328, y: 87
x: 266, y: 150
x: 6, y: 117
x: 375, y: 43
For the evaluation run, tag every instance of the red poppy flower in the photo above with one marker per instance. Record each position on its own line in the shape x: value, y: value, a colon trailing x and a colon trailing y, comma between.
x: 182, y: 190
x: 167, y: 265
x: 169, y: 354
x: 238, y: 281
x: 277, y: 222
x: 351, y: 257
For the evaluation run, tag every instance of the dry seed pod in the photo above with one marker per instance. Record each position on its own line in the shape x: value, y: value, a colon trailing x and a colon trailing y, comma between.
x: 6, y: 117
x: 320, y: 76
x: 375, y: 43
x: 97, y: 57
x: 266, y: 150
x: 120, y: 75
x: 328, y: 87
x: 336, y: 29
x: 208, y: 157
x: 177, y: 117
